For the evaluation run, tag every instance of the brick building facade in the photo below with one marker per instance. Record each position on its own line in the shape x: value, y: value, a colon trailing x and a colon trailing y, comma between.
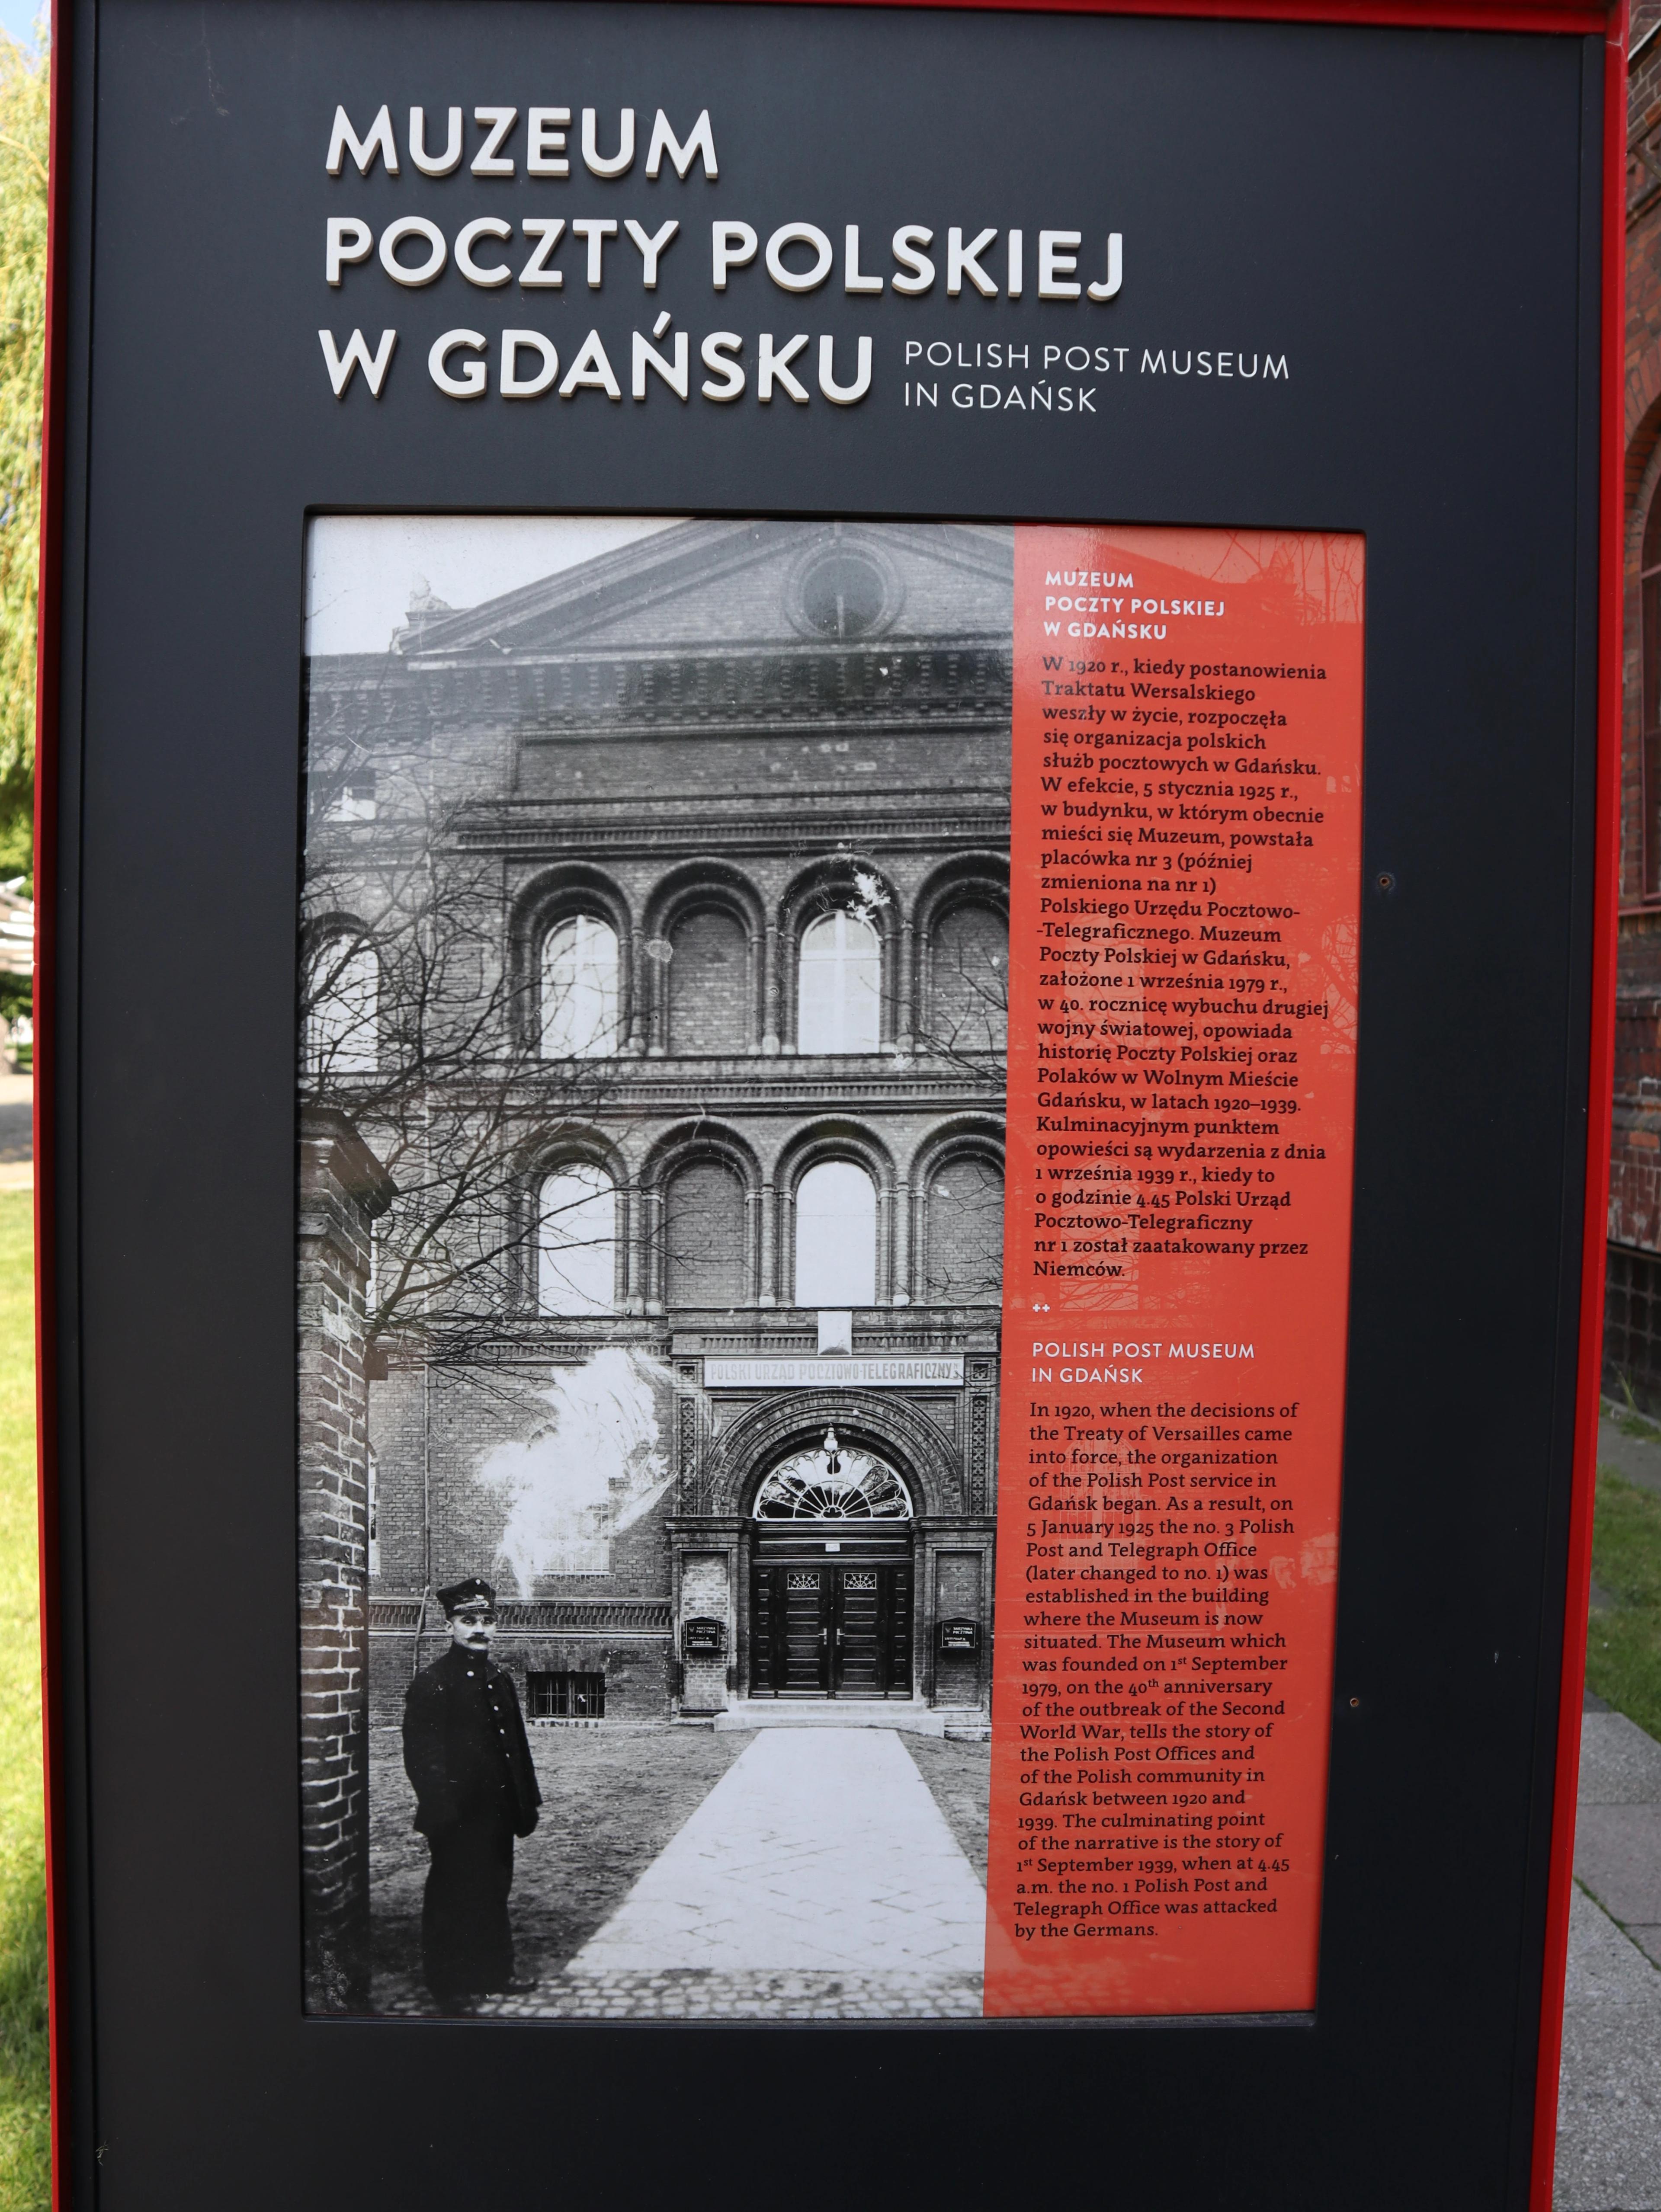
x: 656, y: 926
x: 1632, y: 1340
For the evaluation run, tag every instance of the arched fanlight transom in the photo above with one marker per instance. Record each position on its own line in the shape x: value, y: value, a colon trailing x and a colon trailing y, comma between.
x: 832, y: 1484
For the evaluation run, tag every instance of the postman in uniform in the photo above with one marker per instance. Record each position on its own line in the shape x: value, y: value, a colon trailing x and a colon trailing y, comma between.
x: 466, y: 1756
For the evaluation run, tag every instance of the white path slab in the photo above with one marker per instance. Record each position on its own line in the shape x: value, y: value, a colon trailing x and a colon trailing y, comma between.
x: 819, y: 1849
x: 1608, y: 2113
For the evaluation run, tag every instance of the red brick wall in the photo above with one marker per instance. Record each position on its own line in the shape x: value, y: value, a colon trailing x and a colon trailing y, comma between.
x: 709, y: 994
x: 965, y: 1230
x: 1643, y: 388
x: 1631, y: 1356
x: 967, y: 1006
x: 704, y: 1231
x: 636, y: 1668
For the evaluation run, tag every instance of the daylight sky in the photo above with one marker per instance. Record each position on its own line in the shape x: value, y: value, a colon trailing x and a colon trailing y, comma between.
x: 363, y: 570
x: 17, y: 17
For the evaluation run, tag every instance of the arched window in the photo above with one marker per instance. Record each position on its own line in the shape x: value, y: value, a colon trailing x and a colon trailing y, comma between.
x: 343, y: 1020
x: 968, y: 1008
x: 833, y: 1484
x: 964, y: 1236
x: 703, y: 1223
x: 840, y: 996
x: 580, y: 989
x: 576, y: 1242
x: 1650, y: 587
x: 708, y: 984
x: 836, y: 1237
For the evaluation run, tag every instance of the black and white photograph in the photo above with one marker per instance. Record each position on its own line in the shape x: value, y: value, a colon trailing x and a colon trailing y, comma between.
x: 651, y: 1061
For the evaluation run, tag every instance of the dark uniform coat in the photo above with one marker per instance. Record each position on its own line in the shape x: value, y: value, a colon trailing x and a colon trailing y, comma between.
x: 466, y: 1753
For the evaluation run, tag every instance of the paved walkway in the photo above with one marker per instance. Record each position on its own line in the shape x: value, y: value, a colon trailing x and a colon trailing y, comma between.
x: 818, y: 1880
x: 1637, y: 1458
x: 1609, y: 2106
x: 1618, y: 1835
x: 1609, y: 2117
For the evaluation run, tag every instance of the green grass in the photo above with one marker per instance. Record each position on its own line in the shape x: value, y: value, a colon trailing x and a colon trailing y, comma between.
x: 25, y: 2175
x: 1623, y: 1640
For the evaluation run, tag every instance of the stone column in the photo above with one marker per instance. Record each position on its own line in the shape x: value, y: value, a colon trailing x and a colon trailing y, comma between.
x: 769, y: 1275
x: 642, y: 1033
x: 755, y: 1012
x: 343, y: 1188
x: 752, y: 1247
x: 648, y: 1252
x: 631, y: 1220
x: 770, y: 991
x: 905, y: 988
x: 902, y: 1243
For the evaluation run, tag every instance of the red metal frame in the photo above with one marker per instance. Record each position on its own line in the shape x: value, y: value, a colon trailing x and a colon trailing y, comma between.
x: 1604, y: 18
x: 1599, y: 1132
x: 1589, y: 19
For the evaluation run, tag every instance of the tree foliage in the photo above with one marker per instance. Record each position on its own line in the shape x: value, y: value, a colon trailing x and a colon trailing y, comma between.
x: 24, y: 114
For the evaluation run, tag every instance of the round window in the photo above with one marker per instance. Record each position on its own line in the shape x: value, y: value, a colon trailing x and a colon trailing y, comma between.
x: 843, y: 595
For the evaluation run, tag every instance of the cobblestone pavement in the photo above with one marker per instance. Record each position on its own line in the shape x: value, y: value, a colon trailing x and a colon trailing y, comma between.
x: 696, y: 1993
x: 818, y: 1881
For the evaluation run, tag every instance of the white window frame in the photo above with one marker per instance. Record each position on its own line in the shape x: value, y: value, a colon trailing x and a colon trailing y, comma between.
x: 839, y: 985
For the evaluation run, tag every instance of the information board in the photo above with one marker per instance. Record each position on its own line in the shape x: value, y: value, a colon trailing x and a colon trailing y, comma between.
x: 873, y: 769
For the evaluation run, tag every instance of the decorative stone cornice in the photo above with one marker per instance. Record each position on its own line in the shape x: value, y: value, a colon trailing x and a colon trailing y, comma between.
x: 761, y: 691
x: 749, y: 824
x: 739, y: 1088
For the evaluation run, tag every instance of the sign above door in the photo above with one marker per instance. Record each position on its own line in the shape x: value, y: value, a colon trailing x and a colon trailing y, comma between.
x: 848, y: 1374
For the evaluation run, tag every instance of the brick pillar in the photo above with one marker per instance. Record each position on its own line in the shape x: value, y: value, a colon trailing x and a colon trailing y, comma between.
x: 343, y: 1187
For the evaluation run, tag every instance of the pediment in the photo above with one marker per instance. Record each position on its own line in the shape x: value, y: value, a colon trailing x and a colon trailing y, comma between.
x: 739, y: 586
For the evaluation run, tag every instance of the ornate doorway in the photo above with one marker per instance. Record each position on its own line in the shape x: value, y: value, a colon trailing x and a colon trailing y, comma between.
x: 830, y: 1593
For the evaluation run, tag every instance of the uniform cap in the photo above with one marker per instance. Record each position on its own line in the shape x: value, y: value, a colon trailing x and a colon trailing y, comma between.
x: 466, y: 1592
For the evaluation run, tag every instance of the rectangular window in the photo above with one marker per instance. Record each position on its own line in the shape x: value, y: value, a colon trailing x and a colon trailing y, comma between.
x: 355, y: 800
x: 565, y: 1696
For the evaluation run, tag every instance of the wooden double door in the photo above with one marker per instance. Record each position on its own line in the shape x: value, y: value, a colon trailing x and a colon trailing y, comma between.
x: 830, y: 1627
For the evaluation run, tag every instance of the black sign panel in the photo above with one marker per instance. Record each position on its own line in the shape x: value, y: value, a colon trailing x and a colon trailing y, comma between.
x: 264, y: 326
